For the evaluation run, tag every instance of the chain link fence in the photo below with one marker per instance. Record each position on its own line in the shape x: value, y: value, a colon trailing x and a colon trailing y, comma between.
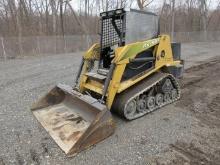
x: 200, y: 36
x: 13, y: 47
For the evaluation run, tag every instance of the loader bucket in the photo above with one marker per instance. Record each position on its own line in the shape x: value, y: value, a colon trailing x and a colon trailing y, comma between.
x: 75, y: 121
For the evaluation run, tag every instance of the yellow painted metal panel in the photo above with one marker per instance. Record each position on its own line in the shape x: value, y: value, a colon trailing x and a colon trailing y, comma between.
x: 93, y: 88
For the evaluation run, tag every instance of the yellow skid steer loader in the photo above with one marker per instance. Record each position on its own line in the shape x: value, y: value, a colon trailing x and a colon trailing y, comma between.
x: 132, y: 72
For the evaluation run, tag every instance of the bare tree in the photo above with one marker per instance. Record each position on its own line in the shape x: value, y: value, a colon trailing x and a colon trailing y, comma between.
x: 143, y: 3
x: 58, y: 17
x: 19, y: 25
x: 54, y: 13
x: 203, y: 12
x: 61, y: 18
x: 173, y: 19
x: 86, y: 7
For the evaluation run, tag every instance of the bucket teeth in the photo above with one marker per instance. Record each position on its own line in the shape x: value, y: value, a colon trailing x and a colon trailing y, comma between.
x: 75, y: 121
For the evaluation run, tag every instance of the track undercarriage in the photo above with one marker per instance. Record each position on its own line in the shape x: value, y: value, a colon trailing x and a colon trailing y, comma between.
x: 150, y: 94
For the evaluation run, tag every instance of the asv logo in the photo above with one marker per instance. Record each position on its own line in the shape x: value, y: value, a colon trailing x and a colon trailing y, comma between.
x: 150, y: 43
x: 146, y: 45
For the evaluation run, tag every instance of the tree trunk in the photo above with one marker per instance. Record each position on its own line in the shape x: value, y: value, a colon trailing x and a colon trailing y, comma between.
x: 19, y: 25
x: 61, y: 18
x: 53, y: 7
x: 173, y: 19
x: 140, y: 4
x: 203, y: 11
x: 86, y: 3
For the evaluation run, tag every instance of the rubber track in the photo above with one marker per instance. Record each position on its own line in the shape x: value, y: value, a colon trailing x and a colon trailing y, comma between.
x: 125, y: 97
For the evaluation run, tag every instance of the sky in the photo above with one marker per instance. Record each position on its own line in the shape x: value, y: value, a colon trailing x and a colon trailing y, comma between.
x: 212, y: 4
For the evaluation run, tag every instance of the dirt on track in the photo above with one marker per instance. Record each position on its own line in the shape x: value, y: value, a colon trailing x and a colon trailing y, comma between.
x: 186, y: 132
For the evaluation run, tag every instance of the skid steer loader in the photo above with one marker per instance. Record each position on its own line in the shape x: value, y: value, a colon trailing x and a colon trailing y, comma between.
x: 132, y: 72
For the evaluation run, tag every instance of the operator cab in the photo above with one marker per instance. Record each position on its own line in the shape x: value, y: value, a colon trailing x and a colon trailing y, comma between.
x: 124, y: 26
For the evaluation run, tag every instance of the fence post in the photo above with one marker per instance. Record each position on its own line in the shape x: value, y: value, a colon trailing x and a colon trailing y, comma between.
x: 38, y: 45
x: 188, y: 37
x: 55, y: 44
x: 64, y: 38
x: 3, y: 48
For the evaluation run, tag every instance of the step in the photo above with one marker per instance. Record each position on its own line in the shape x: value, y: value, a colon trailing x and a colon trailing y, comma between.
x: 96, y: 76
x: 103, y: 71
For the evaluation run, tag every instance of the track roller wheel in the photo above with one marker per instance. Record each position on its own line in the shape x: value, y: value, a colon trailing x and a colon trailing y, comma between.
x: 150, y: 103
x: 130, y: 109
x: 167, y: 97
x: 159, y: 99
x: 141, y: 104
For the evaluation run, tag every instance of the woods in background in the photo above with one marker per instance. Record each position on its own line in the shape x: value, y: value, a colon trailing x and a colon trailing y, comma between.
x: 66, y: 17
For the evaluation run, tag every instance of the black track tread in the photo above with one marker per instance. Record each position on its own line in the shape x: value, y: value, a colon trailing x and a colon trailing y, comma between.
x: 131, y: 93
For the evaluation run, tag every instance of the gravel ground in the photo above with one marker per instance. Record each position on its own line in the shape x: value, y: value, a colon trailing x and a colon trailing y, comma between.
x: 185, y: 132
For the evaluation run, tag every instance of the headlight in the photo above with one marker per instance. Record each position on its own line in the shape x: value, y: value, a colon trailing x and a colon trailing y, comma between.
x: 118, y: 11
x: 103, y: 14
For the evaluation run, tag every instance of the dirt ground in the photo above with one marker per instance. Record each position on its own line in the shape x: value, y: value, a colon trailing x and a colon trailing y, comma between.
x: 200, y: 98
x: 186, y: 132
